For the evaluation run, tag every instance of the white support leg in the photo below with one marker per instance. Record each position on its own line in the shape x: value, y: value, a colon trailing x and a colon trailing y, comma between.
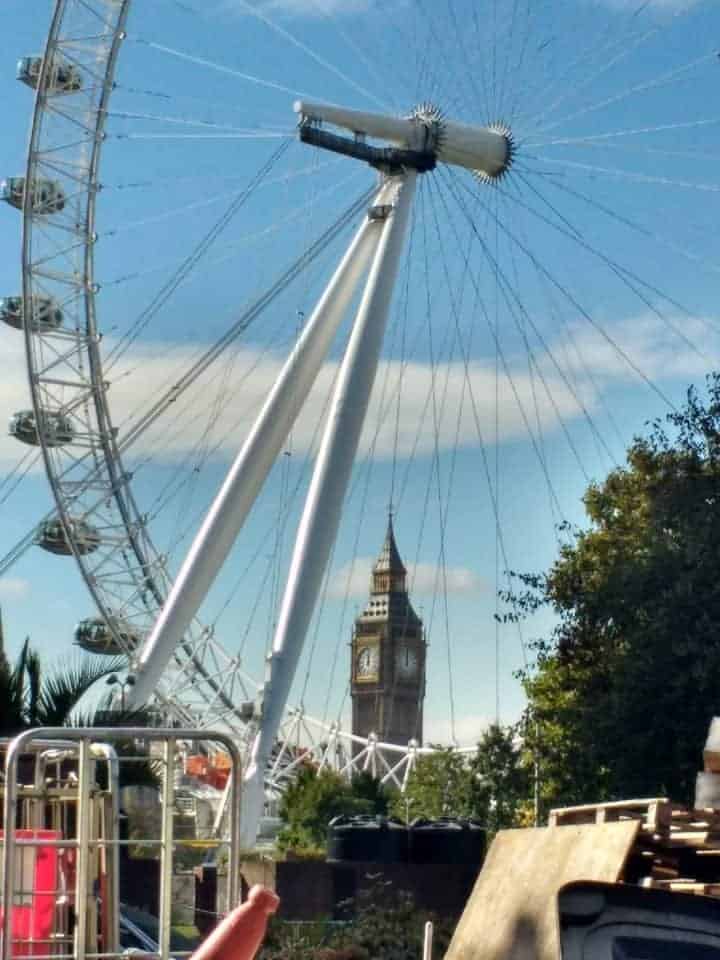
x: 253, y: 464
x: 321, y: 516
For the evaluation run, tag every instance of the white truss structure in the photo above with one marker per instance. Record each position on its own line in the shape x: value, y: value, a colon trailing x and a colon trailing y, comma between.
x: 176, y: 660
x: 97, y: 519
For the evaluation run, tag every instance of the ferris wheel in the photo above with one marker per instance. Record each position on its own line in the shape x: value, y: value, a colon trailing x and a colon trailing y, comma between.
x: 509, y: 204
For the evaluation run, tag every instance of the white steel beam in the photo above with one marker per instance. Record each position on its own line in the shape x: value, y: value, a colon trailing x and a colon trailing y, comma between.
x: 321, y: 515
x: 485, y: 150
x: 227, y: 514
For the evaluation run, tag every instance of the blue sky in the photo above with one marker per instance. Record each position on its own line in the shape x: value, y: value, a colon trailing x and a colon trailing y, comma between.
x: 593, y: 266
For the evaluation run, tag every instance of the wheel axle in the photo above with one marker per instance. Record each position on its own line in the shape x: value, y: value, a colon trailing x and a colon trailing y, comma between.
x: 419, y: 141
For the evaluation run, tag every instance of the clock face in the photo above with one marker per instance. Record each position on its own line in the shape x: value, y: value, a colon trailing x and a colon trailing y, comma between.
x: 406, y: 663
x: 368, y: 661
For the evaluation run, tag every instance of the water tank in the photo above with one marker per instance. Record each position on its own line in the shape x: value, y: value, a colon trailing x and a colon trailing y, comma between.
x: 367, y: 839
x: 447, y: 840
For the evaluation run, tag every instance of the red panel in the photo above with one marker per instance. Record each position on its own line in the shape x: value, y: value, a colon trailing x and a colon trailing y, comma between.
x: 33, y: 921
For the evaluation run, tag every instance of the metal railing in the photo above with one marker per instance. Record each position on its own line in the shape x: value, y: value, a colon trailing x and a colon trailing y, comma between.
x: 61, y: 845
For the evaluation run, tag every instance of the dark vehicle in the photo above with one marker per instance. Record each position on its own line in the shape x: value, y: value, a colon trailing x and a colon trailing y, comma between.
x: 616, y: 922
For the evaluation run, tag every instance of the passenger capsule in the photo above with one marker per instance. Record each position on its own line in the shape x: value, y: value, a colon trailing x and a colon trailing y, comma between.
x: 48, y: 196
x: 51, y: 537
x: 62, y: 77
x: 46, y: 315
x: 57, y: 429
x: 96, y: 635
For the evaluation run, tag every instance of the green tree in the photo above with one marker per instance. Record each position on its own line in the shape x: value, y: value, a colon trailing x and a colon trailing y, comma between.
x: 314, y: 798
x: 500, y: 777
x: 385, y: 923
x: 491, y: 785
x: 367, y: 788
x: 32, y: 697
x: 441, y: 784
x: 622, y: 692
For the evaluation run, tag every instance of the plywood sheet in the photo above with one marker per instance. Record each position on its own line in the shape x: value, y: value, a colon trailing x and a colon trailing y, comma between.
x: 512, y: 911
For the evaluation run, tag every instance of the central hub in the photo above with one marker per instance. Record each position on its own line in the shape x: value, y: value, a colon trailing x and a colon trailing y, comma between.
x: 419, y: 141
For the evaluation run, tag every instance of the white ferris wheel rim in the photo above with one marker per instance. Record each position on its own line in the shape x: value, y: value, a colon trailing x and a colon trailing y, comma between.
x: 226, y: 689
x: 204, y: 682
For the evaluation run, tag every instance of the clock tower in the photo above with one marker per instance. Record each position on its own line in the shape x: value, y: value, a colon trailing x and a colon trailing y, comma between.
x: 388, y: 656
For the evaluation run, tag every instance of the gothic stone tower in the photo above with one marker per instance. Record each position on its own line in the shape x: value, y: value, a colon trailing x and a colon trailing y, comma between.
x: 388, y: 656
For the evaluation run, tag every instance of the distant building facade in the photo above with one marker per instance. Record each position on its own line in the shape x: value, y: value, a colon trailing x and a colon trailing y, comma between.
x: 388, y: 656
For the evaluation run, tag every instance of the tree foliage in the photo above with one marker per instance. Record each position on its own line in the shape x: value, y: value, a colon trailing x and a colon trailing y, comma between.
x: 33, y: 697
x: 623, y: 691
x: 441, y: 784
x: 491, y: 785
x: 315, y: 797
x: 385, y: 924
x: 503, y: 782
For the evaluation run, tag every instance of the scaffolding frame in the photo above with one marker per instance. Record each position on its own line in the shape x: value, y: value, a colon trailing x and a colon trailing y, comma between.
x: 69, y: 817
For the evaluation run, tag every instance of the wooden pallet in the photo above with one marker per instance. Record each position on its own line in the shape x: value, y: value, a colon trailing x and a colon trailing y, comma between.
x: 665, y: 830
x: 655, y: 814
x: 682, y: 885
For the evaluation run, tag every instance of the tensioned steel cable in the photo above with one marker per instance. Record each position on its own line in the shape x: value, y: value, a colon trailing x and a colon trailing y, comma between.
x: 242, y: 324
x: 578, y: 306
x: 11, y: 479
x: 595, y: 57
x: 658, y: 81
x: 476, y: 414
x: 190, y: 262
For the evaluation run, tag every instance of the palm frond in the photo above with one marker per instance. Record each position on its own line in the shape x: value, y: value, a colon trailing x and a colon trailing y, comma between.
x: 12, y: 714
x: 16, y: 692
x: 33, y: 675
x: 63, y: 689
x: 137, y: 768
x: 13, y: 692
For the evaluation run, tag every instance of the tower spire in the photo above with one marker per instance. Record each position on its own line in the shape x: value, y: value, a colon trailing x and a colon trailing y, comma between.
x: 389, y: 573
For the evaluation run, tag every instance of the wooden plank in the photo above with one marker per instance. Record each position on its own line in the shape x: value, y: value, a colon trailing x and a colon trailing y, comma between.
x: 712, y: 747
x: 712, y: 761
x: 656, y: 813
x: 613, y: 805
x: 512, y: 911
x: 689, y: 886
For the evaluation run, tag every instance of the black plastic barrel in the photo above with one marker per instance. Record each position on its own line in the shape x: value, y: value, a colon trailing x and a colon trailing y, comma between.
x: 367, y: 839
x: 447, y: 840
x: 476, y: 845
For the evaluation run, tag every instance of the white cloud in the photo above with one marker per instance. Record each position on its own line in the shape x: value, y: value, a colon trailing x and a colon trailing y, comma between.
x: 316, y: 8
x: 145, y: 371
x: 657, y: 6
x: 650, y: 344
x: 468, y: 729
x: 353, y: 580
x: 416, y: 429
x: 234, y: 395
x: 13, y: 588
x: 311, y: 8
